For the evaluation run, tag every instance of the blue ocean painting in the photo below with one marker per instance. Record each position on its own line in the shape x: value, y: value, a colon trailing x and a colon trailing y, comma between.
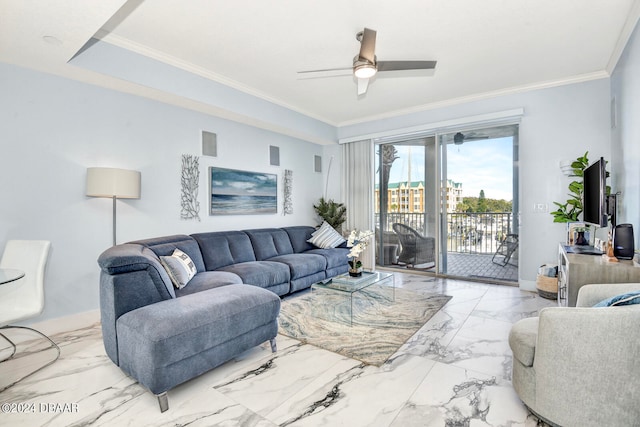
x: 236, y: 192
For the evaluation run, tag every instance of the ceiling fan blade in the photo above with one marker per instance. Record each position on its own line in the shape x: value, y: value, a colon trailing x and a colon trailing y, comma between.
x: 405, y: 65
x: 329, y: 72
x: 368, y: 45
x: 363, y: 84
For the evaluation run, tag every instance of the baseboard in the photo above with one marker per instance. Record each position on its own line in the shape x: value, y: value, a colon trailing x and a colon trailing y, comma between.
x: 528, y: 285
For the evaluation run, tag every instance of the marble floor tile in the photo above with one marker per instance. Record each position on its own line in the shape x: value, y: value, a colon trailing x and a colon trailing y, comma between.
x: 362, y: 396
x: 510, y: 305
x: 454, y: 396
x: 454, y: 371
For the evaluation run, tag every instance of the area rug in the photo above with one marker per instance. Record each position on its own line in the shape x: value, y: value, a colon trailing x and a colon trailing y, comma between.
x: 384, y: 318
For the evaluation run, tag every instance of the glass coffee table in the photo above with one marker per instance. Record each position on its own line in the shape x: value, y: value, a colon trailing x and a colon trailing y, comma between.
x: 352, y: 286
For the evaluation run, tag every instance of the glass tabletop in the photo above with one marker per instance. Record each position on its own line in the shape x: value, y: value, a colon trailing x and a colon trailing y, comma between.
x: 346, y: 283
x: 8, y: 275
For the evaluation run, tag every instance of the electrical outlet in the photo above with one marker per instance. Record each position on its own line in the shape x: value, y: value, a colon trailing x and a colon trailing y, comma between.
x: 540, y: 207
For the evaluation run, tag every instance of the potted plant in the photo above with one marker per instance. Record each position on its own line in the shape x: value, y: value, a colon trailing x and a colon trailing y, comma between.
x: 334, y: 213
x: 358, y: 242
x: 571, y: 210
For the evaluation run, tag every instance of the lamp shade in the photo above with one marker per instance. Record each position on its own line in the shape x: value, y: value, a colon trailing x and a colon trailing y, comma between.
x: 110, y: 182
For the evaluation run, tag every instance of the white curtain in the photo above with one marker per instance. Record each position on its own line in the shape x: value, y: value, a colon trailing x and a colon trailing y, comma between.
x: 357, y: 191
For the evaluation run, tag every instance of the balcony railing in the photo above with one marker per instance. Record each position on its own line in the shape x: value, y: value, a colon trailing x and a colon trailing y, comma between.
x: 475, y: 233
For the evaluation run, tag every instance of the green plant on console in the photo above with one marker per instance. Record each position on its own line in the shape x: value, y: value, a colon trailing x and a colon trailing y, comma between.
x: 571, y: 210
x: 333, y: 212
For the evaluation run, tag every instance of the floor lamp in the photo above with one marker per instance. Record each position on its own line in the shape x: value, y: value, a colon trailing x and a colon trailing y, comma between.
x: 113, y: 183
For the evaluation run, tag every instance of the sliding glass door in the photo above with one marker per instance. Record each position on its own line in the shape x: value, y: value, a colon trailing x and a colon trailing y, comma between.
x: 445, y: 203
x: 478, y: 203
x: 406, y: 205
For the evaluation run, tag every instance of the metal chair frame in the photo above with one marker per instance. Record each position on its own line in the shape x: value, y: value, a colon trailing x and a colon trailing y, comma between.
x: 506, y: 249
x: 52, y: 345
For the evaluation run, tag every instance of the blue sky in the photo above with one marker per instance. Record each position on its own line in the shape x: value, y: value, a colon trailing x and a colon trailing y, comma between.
x: 479, y: 165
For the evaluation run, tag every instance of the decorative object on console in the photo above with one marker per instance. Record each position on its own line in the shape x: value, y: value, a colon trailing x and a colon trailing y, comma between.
x: 577, y: 231
x: 566, y: 168
x: 358, y: 242
x: 623, y: 246
x: 236, y: 192
x: 114, y: 183
x: 287, y: 208
x: 190, y: 179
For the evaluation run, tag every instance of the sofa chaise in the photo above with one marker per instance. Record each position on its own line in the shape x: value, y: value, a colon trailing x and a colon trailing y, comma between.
x: 163, y: 335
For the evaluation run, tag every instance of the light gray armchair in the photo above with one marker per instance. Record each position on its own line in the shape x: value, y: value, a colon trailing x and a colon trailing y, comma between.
x: 580, y: 366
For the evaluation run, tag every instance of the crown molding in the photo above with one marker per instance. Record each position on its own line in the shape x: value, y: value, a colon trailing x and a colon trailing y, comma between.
x: 481, y: 96
x: 625, y: 34
x: 202, y: 72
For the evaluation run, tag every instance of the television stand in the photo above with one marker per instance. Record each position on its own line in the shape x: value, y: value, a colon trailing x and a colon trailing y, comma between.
x: 576, y: 270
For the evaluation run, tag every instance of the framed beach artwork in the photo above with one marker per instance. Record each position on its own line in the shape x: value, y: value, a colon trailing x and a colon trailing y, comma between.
x: 236, y: 192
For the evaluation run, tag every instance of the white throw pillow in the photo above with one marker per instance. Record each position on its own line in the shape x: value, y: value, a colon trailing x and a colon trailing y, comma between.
x: 180, y: 268
x: 326, y: 237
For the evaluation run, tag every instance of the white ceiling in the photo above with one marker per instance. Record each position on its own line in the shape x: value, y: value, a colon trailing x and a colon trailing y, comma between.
x: 483, y: 48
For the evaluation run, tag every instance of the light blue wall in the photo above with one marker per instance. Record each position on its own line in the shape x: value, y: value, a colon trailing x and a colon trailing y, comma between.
x: 53, y: 128
x: 123, y: 64
x: 625, y: 152
x: 559, y: 123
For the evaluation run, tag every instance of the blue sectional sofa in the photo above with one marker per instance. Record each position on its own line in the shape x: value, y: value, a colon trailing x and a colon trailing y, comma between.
x: 163, y: 336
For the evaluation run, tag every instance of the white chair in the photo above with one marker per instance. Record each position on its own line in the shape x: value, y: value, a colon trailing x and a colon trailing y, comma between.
x: 578, y: 366
x: 24, y: 298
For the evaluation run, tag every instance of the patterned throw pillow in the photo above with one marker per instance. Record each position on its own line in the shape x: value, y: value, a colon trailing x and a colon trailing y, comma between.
x: 180, y: 268
x: 326, y: 237
x: 624, y: 299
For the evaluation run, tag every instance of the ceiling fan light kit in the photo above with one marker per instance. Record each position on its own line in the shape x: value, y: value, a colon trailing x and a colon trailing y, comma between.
x: 366, y: 65
x: 364, y: 71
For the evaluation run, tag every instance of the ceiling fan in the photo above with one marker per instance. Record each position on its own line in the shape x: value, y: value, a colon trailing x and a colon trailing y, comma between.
x: 459, y: 138
x: 366, y: 65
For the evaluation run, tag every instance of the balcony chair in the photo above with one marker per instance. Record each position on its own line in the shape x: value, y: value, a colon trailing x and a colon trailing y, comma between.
x: 24, y: 298
x: 506, y: 249
x: 578, y: 366
x: 390, y: 245
x: 415, y: 249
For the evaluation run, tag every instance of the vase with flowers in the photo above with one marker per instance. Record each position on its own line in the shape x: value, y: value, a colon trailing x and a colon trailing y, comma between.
x: 358, y: 242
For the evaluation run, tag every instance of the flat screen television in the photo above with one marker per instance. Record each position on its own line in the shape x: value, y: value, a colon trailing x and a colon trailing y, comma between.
x: 594, y: 195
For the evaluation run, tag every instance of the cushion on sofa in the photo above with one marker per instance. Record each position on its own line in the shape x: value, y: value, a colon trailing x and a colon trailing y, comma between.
x: 164, y: 246
x: 630, y: 298
x: 298, y: 235
x: 336, y: 257
x: 326, y: 237
x: 209, y: 280
x: 180, y: 268
x: 265, y: 274
x: 269, y: 242
x: 302, y: 265
x: 224, y: 248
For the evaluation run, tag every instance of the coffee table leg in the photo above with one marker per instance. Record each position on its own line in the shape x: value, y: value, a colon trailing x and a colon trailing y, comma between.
x: 351, y: 310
